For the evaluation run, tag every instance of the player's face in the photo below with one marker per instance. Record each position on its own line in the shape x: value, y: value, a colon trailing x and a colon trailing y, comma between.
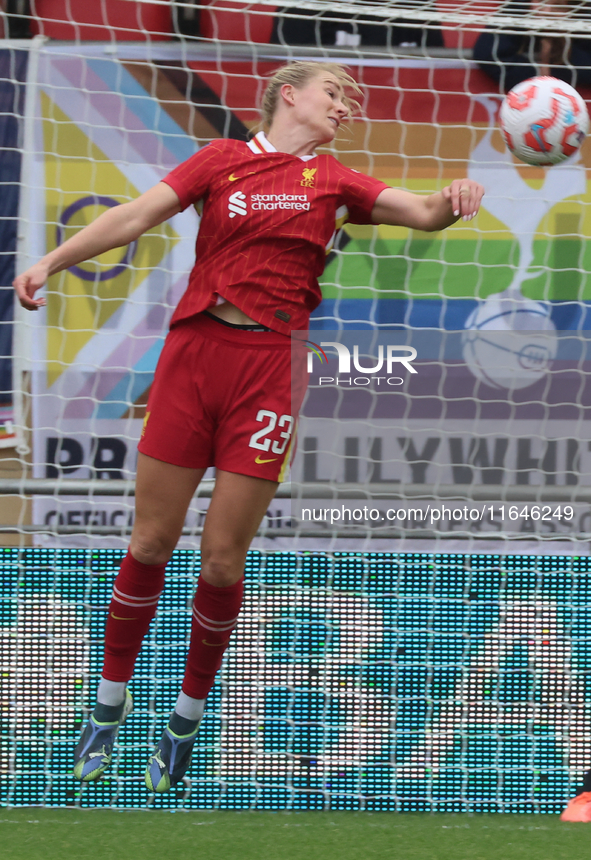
x: 320, y: 106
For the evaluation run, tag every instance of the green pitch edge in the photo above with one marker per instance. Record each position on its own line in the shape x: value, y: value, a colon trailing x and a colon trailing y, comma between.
x: 561, y: 269
x: 105, y: 834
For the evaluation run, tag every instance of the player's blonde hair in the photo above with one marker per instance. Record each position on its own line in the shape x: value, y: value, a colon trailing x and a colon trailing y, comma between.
x: 298, y: 74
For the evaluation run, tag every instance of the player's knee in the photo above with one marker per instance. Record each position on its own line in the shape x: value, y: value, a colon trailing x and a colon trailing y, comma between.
x: 221, y: 567
x: 152, y: 549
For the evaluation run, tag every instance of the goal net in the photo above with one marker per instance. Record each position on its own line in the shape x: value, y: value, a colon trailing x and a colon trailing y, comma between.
x: 414, y: 634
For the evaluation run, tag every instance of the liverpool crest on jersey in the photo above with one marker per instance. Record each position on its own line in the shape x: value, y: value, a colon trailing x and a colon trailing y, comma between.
x: 308, y: 174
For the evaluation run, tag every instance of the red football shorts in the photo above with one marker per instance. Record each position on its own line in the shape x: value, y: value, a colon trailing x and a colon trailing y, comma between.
x: 222, y: 397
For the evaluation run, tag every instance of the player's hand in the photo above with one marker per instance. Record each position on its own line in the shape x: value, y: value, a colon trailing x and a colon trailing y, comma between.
x: 465, y: 196
x: 27, y: 284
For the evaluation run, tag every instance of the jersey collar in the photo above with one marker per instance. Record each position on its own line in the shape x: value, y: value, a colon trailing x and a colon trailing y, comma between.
x: 259, y: 144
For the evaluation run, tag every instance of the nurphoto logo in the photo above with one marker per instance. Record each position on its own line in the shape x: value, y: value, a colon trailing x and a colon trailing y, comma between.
x: 388, y: 359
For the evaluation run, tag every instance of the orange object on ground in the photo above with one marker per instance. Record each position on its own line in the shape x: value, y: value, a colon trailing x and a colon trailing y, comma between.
x: 578, y: 809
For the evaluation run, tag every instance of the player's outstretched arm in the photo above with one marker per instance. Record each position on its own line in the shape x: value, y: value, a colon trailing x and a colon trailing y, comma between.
x: 114, y: 228
x: 400, y: 208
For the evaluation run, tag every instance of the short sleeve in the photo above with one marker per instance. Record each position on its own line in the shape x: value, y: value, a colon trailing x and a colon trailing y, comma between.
x: 360, y: 193
x: 190, y: 180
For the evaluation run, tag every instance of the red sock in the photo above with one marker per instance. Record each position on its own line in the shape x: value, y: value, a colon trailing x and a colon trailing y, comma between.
x: 133, y: 605
x: 215, y: 613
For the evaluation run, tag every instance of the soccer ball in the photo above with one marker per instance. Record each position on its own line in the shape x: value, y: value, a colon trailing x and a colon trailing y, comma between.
x: 508, y: 343
x: 543, y: 121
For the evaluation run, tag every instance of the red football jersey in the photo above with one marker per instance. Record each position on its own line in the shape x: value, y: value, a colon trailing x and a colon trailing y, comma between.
x: 268, y: 220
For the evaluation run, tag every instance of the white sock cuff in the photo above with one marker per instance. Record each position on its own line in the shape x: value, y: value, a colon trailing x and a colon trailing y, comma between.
x: 111, y: 692
x: 190, y: 709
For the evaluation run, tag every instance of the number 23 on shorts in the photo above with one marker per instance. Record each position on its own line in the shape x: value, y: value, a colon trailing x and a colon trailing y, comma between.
x: 261, y: 441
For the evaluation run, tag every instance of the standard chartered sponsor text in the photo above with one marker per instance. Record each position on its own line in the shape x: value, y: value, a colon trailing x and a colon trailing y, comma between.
x: 280, y: 201
x: 439, y: 513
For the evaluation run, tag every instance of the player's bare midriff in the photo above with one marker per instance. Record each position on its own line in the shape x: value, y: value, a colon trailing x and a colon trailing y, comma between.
x: 231, y: 314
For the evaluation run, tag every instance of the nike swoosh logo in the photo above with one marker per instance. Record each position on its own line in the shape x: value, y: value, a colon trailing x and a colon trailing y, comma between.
x: 232, y: 178
x: 260, y: 462
x: 121, y: 618
x: 215, y: 644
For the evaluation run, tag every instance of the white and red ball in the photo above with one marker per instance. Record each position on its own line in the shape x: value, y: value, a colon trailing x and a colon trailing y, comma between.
x: 543, y: 121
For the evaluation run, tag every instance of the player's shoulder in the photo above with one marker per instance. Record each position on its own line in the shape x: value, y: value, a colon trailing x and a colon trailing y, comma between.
x: 335, y: 167
x: 227, y: 144
x: 219, y: 155
x: 222, y: 146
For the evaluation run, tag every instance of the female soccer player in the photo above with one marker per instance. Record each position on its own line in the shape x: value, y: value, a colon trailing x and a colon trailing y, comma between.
x: 222, y: 391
